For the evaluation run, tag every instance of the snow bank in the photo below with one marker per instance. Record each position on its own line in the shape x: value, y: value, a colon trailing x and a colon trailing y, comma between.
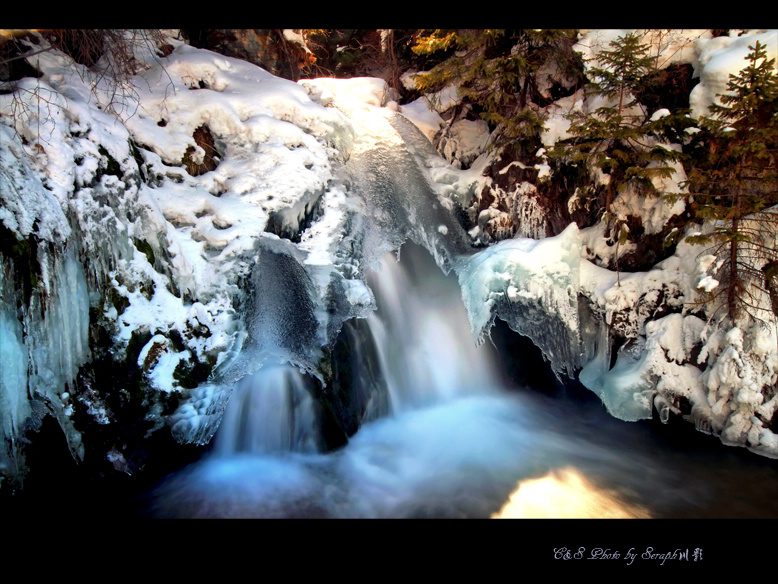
x: 368, y: 90
x: 720, y: 57
x: 169, y: 248
x: 424, y: 116
x: 672, y: 360
x: 667, y: 46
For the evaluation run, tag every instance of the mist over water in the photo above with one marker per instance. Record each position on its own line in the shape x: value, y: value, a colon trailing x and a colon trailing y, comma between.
x: 270, y: 410
x: 456, y: 442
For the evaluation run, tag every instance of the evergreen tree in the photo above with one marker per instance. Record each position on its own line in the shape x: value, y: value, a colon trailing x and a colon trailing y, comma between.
x: 496, y: 71
x: 735, y: 184
x: 618, y: 139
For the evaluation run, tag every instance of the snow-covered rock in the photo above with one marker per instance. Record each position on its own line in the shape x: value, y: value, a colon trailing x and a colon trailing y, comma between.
x: 720, y: 57
x: 195, y: 280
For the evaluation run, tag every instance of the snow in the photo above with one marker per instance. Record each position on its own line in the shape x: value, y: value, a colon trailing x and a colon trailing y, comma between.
x: 464, y: 141
x: 421, y: 113
x: 276, y: 148
x: 668, y: 46
x: 25, y: 202
x: 295, y: 37
x: 723, y: 373
x: 533, y: 286
x: 366, y: 90
x: 315, y: 181
x: 628, y: 388
x: 720, y: 57
x: 425, y: 112
x: 557, y: 125
x: 653, y: 211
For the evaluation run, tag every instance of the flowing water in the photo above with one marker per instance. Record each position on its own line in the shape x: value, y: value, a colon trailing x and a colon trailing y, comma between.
x: 459, y: 438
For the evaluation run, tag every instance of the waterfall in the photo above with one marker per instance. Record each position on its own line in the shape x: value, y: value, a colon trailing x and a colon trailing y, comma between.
x: 270, y: 410
x: 438, y: 435
x: 424, y: 354
x: 428, y: 430
x: 444, y: 417
x: 421, y: 331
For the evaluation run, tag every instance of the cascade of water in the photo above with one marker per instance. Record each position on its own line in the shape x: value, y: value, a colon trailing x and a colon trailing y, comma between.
x: 420, y: 330
x: 271, y: 410
x: 423, y: 356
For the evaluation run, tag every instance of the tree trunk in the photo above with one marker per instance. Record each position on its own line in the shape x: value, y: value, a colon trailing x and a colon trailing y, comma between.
x: 734, y: 276
x: 387, y: 48
x: 735, y: 284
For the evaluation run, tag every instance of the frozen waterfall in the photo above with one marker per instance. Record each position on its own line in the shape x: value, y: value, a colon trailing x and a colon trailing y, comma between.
x: 318, y: 299
x: 440, y: 438
x: 443, y: 414
x: 421, y: 354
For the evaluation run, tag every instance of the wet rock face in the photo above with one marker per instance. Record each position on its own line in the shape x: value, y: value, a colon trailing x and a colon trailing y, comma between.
x: 668, y: 88
x: 252, y: 45
x: 357, y: 378
x: 266, y: 48
x: 518, y: 203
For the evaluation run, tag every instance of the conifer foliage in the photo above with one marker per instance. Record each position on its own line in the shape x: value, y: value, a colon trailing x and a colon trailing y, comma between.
x: 734, y: 183
x: 496, y: 71
x: 618, y: 139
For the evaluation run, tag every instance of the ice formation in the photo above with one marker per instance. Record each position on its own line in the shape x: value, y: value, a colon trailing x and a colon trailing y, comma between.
x: 533, y: 285
x: 221, y: 220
